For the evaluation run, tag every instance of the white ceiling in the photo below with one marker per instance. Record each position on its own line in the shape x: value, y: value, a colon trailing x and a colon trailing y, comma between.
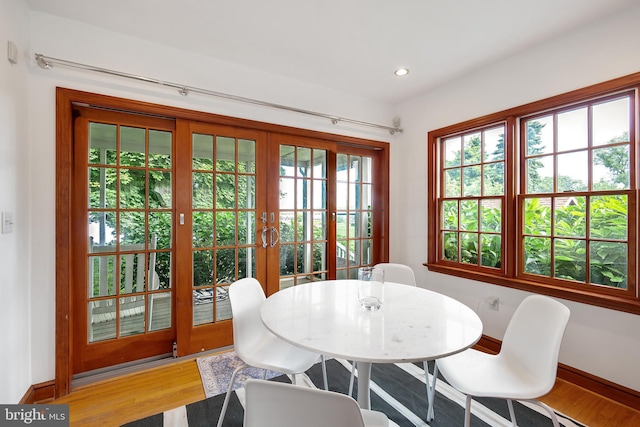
x: 349, y: 45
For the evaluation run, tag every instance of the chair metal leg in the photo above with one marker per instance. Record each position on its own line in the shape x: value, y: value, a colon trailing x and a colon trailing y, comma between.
x: 324, y: 373
x: 512, y: 413
x: 353, y: 371
x: 226, y: 398
x: 467, y: 412
x: 431, y: 388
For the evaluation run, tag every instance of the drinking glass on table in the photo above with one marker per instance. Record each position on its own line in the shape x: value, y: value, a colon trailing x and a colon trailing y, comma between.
x: 370, y: 287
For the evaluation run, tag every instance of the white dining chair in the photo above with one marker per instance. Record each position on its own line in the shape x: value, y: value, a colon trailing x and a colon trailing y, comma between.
x: 275, y: 404
x: 401, y: 273
x: 524, y: 369
x: 255, y: 345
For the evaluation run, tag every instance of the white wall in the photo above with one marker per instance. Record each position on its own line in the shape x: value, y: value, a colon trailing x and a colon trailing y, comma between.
x: 602, y: 342
x: 72, y: 41
x: 15, y: 320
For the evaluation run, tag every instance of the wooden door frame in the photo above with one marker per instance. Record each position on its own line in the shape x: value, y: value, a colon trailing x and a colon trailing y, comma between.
x: 65, y: 98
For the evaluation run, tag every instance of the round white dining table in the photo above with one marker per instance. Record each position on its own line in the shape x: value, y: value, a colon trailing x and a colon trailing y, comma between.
x: 413, y: 324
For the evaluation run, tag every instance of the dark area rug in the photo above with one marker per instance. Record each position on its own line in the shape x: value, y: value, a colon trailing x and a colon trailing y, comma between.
x: 398, y: 390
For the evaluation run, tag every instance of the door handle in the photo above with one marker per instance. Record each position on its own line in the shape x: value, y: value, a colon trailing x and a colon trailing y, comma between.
x: 274, y: 231
x: 264, y: 236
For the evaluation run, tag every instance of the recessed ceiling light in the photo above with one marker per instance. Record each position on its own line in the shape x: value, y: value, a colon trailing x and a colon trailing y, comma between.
x: 401, y: 72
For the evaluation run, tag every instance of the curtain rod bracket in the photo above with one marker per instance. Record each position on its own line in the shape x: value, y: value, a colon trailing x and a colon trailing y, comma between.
x: 42, y: 62
x: 184, y: 91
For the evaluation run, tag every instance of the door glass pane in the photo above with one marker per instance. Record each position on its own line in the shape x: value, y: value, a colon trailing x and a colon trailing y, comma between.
x: 102, y: 320
x: 132, y: 146
x: 246, y: 228
x: 159, y: 311
x: 202, y: 268
x: 223, y: 305
x: 130, y: 228
x: 133, y: 187
x: 132, y: 315
x: 225, y: 230
x: 102, y: 143
x: 202, y: 152
x: 319, y: 164
x: 225, y: 191
x: 202, y: 306
x: 102, y: 187
x: 160, y: 190
x: 225, y: 154
x: 202, y: 190
x: 304, y: 165
x: 246, y: 191
x: 202, y: 229
x: 246, y: 156
x: 303, y: 193
x: 160, y: 270
x: 102, y: 276
x: 287, y: 160
x: 160, y: 149
x: 160, y: 229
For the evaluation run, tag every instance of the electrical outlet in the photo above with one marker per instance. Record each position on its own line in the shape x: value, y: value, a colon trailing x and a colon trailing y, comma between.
x: 494, y: 303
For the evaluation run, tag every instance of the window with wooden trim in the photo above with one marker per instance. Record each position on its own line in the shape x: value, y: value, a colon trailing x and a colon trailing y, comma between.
x: 542, y: 197
x: 472, y: 201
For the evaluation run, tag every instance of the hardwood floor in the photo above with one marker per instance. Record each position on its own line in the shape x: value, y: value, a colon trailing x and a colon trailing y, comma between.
x: 137, y: 395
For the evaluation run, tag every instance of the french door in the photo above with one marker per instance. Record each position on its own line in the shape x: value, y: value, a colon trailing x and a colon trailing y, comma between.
x: 122, y: 204
x: 326, y: 210
x: 164, y: 213
x: 221, y: 196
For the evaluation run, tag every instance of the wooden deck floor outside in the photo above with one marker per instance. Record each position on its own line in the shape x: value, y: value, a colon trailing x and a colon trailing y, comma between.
x: 137, y: 395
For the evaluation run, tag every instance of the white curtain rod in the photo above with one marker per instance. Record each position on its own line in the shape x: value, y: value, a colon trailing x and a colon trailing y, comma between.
x: 47, y: 63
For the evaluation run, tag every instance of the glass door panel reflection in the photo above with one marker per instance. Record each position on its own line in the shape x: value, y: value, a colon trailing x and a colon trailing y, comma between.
x: 354, y: 214
x: 302, y: 215
x: 223, y: 218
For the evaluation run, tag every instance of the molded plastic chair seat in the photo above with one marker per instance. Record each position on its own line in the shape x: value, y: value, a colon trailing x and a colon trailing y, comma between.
x: 526, y: 366
x: 275, y: 404
x: 255, y: 345
x: 397, y: 273
x: 272, y: 353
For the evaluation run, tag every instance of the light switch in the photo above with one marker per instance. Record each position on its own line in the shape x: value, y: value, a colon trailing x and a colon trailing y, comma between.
x: 12, y: 52
x: 7, y: 222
